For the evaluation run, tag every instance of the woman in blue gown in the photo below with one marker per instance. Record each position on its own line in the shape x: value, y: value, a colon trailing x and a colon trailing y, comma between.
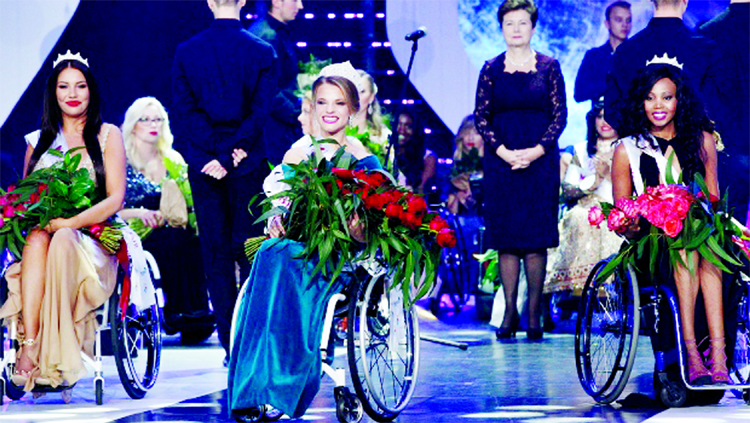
x: 276, y: 358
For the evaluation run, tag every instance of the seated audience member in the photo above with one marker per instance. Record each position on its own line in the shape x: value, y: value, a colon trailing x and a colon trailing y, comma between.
x: 467, y: 164
x: 158, y: 205
x: 413, y: 160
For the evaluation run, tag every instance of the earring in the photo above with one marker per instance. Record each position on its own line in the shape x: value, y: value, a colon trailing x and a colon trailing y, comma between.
x: 370, y: 109
x: 351, y: 121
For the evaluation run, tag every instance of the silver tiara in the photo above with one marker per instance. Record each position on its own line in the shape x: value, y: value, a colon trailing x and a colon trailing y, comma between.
x: 666, y: 60
x: 70, y: 56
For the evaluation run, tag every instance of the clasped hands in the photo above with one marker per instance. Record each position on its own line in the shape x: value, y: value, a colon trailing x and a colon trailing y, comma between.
x: 522, y: 158
x: 215, y: 170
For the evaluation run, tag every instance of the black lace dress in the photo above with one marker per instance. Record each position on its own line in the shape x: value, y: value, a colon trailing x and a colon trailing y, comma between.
x: 177, y: 252
x: 520, y: 110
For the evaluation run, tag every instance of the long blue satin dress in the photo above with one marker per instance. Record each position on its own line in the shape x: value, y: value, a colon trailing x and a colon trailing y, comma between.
x: 276, y: 354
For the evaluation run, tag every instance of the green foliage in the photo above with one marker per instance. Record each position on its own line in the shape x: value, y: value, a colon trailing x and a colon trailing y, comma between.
x: 61, y: 190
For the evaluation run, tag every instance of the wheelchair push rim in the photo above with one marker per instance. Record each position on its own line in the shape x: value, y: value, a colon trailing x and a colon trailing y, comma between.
x: 136, y: 344
x: 383, y: 349
x: 607, y: 330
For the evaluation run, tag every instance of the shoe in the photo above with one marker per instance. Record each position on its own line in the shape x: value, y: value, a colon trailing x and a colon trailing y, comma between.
x: 719, y: 371
x: 534, y: 334
x: 245, y: 415
x: 21, y: 377
x: 698, y: 374
x: 508, y: 332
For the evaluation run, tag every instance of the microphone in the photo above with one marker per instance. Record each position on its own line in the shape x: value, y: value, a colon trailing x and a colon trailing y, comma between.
x: 419, y: 33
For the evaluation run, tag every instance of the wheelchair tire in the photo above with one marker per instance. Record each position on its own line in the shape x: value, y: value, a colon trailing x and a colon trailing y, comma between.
x: 740, y: 369
x: 136, y: 343
x: 390, y: 358
x: 10, y: 390
x: 673, y: 394
x: 607, y: 330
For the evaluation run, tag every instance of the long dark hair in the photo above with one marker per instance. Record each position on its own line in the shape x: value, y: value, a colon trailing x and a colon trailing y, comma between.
x: 690, y: 119
x: 410, y: 157
x: 592, y: 135
x: 52, y: 121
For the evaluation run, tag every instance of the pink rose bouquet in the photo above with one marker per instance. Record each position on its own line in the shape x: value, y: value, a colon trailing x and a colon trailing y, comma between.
x: 681, y: 218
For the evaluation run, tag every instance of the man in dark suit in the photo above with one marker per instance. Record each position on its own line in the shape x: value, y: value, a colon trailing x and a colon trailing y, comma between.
x: 664, y: 34
x: 223, y: 81
x: 592, y: 75
x: 283, y: 128
x: 731, y: 101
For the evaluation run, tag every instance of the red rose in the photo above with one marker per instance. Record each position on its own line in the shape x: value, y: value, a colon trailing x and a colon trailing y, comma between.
x: 411, y: 220
x: 375, y: 179
x: 9, y: 211
x: 362, y: 192
x: 375, y: 201
x: 394, y: 211
x: 672, y: 227
x: 96, y: 229
x: 446, y: 238
x: 438, y: 223
x: 34, y: 198
x: 596, y: 216
x: 343, y: 173
x: 41, y: 188
x: 416, y: 204
x: 11, y: 188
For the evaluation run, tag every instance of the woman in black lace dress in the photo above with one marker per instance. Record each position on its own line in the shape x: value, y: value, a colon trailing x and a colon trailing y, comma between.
x: 521, y: 112
x: 157, y: 206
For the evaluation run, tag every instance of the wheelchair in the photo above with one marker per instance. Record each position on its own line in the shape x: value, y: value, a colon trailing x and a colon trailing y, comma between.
x: 134, y: 342
x: 614, y: 312
x: 382, y: 344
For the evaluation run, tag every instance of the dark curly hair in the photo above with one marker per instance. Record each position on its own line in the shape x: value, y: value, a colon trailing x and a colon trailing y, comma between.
x: 592, y: 136
x: 690, y: 119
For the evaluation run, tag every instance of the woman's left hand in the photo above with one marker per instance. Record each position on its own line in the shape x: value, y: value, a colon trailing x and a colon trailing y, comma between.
x: 55, y: 225
x: 527, y: 156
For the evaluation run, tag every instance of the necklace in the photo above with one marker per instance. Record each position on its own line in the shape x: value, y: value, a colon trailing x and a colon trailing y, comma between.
x: 522, y: 64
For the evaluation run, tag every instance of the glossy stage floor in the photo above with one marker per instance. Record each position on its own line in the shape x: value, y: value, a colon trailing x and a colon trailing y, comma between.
x: 519, y: 381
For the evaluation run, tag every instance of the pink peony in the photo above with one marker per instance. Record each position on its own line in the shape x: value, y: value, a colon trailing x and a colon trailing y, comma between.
x: 672, y: 227
x: 628, y: 207
x: 680, y: 207
x: 596, y: 216
x: 9, y: 211
x: 2, y: 222
x: 657, y: 214
x: 617, y: 221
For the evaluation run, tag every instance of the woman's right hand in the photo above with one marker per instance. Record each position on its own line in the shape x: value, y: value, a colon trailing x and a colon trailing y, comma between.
x: 513, y: 157
x: 276, y: 227
x: 152, y: 218
x: 461, y: 182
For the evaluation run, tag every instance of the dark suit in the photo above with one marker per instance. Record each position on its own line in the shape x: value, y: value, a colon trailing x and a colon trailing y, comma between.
x: 223, y: 79
x: 283, y: 128
x: 661, y: 35
x: 592, y: 75
x: 731, y: 101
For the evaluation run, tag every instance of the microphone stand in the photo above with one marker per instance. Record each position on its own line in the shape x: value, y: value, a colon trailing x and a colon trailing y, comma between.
x: 391, y: 143
x: 393, y: 140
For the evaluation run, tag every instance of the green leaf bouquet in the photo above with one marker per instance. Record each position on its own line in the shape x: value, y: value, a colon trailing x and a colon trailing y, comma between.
x: 331, y: 208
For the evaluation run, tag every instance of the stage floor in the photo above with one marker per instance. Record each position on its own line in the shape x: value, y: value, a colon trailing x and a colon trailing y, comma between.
x: 520, y: 381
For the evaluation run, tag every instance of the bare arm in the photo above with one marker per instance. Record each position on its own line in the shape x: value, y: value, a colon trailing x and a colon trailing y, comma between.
x: 26, y: 159
x: 430, y: 164
x: 622, y: 183
x: 712, y: 177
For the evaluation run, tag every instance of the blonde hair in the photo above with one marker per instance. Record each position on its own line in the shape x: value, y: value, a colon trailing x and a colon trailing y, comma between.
x: 466, y: 125
x: 375, y: 121
x: 163, y: 144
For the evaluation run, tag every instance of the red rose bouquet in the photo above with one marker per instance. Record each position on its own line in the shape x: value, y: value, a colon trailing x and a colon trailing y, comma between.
x: 681, y: 218
x: 61, y: 190
x: 332, y: 207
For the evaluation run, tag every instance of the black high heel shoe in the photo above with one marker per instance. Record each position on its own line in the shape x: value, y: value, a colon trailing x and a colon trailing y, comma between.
x: 508, y: 332
x: 534, y: 334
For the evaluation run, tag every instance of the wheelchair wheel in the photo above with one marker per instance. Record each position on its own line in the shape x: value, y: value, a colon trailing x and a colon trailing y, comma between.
x: 607, y: 334
x: 136, y: 343
x: 383, y: 349
x: 740, y: 370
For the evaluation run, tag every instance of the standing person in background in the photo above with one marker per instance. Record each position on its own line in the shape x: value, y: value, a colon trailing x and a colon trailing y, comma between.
x: 666, y: 34
x: 223, y: 79
x: 592, y: 75
x: 282, y: 129
x: 521, y: 112
x: 731, y: 102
